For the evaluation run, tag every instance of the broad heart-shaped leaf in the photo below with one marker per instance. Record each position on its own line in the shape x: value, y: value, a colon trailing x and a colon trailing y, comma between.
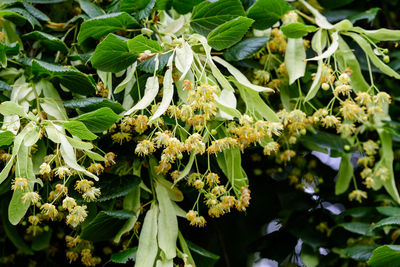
x: 140, y: 43
x: 267, y: 12
x: 13, y: 17
x: 35, y: 12
x: 6, y: 138
x: 100, y: 26
x: 206, y: 16
x: 93, y: 103
x: 31, y: 19
x: 105, y: 225
x: 124, y: 256
x: 10, y: 49
x: 325, y: 140
x: 145, y: 12
x: 133, y: 5
x: 91, y: 9
x: 297, y: 30
x: 229, y: 33
x: 245, y: 48
x: 99, y: 120
x: 388, y: 255
x: 360, y: 253
x: 113, y: 186
x: 68, y: 76
x: 185, y: 6
x: 112, y: 55
x: 79, y: 129
x: 48, y: 41
x: 149, y: 64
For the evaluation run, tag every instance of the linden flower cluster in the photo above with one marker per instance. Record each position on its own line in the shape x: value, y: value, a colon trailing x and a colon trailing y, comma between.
x: 200, y: 107
x: 79, y: 247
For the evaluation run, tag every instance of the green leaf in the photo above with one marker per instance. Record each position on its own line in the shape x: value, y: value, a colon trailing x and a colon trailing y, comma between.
x: 389, y: 211
x: 4, y: 86
x: 370, y: 53
x: 93, y: 103
x: 113, y: 186
x: 6, y: 138
x: 124, y: 256
x: 13, y: 17
x: 12, y: 232
x: 360, y: 228
x: 133, y: 5
x: 149, y: 65
x: 105, y: 225
x: 42, y: 240
x: 185, y: 6
x: 112, y: 55
x: 206, y: 16
x: 140, y: 43
x: 245, y: 48
x: 31, y: 19
x: 91, y: 9
x: 394, y: 220
x: 359, y: 253
x: 99, y: 120
x: 294, y: 59
x: 131, y: 202
x: 148, y: 247
x: 267, y: 12
x: 207, y: 258
x: 79, y: 129
x: 35, y: 12
x: 326, y: 140
x: 229, y: 33
x: 47, y: 40
x: 145, y: 12
x: 185, y: 248
x: 369, y: 15
x: 100, y: 26
x: 345, y: 174
x: 388, y: 255
x: 67, y: 76
x: 297, y: 30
